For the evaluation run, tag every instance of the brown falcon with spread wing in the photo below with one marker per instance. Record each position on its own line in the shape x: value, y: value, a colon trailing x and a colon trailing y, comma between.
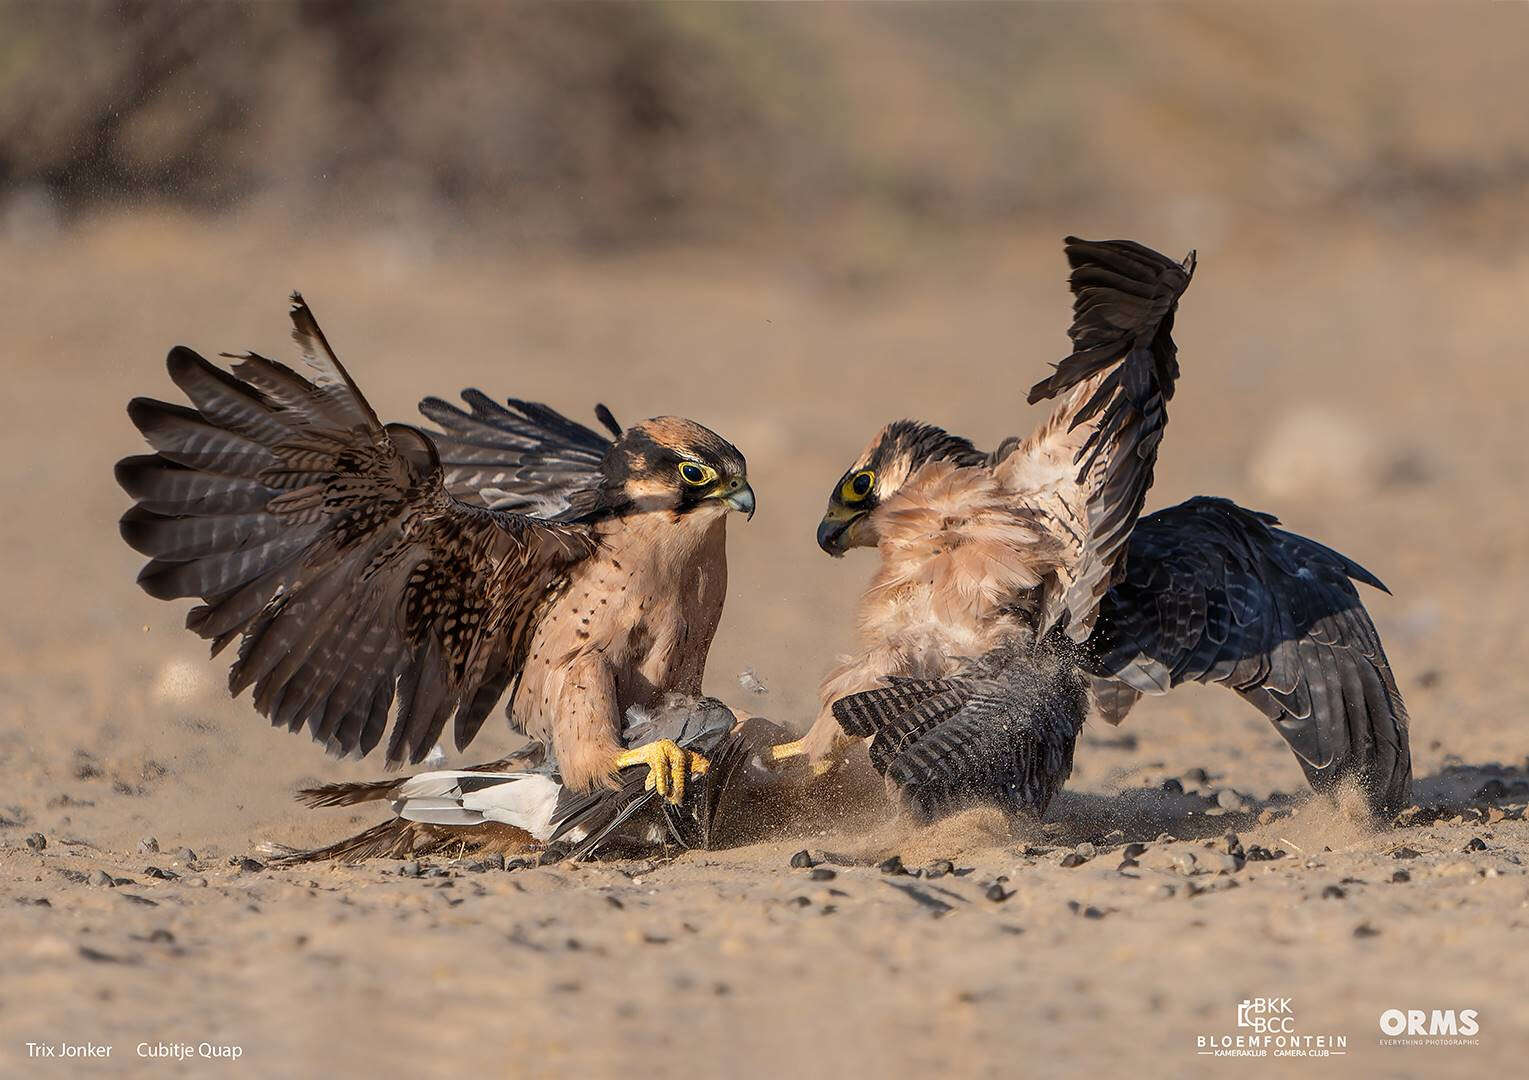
x: 372, y: 570
x: 1013, y: 583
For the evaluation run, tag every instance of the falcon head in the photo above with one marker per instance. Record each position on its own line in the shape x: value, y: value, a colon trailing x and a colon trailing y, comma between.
x: 898, y: 451
x: 669, y: 463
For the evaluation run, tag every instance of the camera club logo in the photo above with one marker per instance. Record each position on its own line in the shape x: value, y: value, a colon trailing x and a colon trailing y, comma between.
x: 1266, y: 1027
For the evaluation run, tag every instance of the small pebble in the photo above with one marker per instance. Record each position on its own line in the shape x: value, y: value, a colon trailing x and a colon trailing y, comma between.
x: 997, y: 893
x: 37, y: 841
x: 1086, y: 850
x: 1333, y: 892
x: 1072, y: 858
x: 148, y: 846
x: 939, y: 868
x: 1127, y: 864
x: 101, y: 877
x: 1404, y: 853
x: 894, y: 865
x: 409, y: 869
x: 1231, y: 843
x: 801, y: 861
x: 251, y: 866
x: 822, y: 873
x: 162, y: 875
x: 1364, y: 930
x: 1476, y: 844
x: 1228, y: 799
x: 1173, y: 786
x: 1134, y: 851
x: 1401, y: 876
x: 186, y: 855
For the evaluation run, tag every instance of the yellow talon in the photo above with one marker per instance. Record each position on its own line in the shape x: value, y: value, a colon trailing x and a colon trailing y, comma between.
x: 669, y: 766
x: 786, y: 751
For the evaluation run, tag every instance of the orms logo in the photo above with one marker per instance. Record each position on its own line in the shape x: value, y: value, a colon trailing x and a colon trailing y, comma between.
x: 1423, y: 1027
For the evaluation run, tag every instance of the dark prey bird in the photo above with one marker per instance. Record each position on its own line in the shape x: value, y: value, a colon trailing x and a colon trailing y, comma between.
x: 520, y: 804
x: 373, y: 570
x: 1014, y: 585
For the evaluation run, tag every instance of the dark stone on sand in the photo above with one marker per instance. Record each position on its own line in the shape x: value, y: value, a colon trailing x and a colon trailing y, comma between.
x: 37, y: 841
x: 251, y: 866
x: 1134, y: 851
x: 518, y: 864
x: 1476, y: 843
x: 439, y: 872
x: 615, y: 903
x: 1259, y: 853
x: 1405, y: 853
x: 186, y: 855
x: 1072, y: 858
x: 148, y: 846
x: 1401, y: 876
x: 802, y: 860
x: 997, y: 893
x: 1333, y: 892
x: 822, y: 873
x: 799, y: 901
x: 1364, y: 930
x: 939, y: 868
x: 1232, y: 844
x: 162, y: 875
x: 136, y: 899
x: 1173, y: 786
x: 1085, y: 850
x: 493, y: 861
x: 894, y: 865
x: 1127, y: 864
x: 101, y: 877
x: 409, y: 869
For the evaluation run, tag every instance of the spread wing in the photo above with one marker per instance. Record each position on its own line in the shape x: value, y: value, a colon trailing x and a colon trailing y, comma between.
x: 520, y: 456
x: 1214, y: 593
x: 1085, y: 472
x: 328, y: 541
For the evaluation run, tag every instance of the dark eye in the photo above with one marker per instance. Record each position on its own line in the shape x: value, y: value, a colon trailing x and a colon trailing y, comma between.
x: 693, y: 474
x: 857, y: 487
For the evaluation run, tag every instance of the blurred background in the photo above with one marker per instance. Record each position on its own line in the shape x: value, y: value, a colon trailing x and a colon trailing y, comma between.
x: 792, y: 223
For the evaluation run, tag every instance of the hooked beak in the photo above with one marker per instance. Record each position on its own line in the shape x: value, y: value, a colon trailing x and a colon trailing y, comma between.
x: 833, y: 530
x: 737, y: 495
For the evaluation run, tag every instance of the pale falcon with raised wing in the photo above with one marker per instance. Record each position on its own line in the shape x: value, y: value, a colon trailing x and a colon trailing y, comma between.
x: 375, y: 569
x: 1016, y: 586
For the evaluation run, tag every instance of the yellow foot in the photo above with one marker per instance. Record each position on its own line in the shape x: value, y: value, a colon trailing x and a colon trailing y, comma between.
x: 669, y: 766
x: 786, y: 751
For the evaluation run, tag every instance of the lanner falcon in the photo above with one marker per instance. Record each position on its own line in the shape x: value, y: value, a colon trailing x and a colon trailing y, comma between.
x: 371, y: 568
x: 1015, y: 584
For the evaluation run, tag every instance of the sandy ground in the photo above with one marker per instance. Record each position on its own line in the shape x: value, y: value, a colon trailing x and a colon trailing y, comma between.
x: 1367, y: 387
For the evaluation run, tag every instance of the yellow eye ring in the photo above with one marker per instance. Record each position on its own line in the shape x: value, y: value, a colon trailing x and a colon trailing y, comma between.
x: 696, y: 475
x: 857, y: 488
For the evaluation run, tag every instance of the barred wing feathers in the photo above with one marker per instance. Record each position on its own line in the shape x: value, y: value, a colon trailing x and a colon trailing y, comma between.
x: 328, y: 543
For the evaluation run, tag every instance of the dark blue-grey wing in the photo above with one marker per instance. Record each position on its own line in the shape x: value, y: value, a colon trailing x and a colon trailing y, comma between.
x: 1214, y: 593
x: 1003, y: 738
x: 520, y: 456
